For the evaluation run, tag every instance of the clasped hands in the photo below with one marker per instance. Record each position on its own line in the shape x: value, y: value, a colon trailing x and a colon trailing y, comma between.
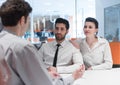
x: 76, y: 74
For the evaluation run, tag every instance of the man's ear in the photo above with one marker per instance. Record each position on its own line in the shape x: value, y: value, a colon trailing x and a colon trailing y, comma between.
x: 22, y: 20
x: 67, y: 31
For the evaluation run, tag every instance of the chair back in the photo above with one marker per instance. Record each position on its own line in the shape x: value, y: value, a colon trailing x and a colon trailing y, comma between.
x: 115, y: 50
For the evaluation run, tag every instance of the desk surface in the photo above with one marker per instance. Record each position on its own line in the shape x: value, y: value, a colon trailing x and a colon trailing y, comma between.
x: 99, y: 77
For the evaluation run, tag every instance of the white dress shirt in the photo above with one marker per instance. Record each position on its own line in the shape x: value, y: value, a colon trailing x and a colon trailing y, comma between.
x: 24, y: 63
x: 99, y: 56
x: 68, y: 60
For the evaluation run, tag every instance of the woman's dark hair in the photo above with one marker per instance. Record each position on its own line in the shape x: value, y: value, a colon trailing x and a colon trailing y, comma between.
x: 64, y: 21
x: 90, y: 19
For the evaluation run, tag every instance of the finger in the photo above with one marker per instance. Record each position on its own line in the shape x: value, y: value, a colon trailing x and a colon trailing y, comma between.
x: 83, y: 67
x: 57, y: 74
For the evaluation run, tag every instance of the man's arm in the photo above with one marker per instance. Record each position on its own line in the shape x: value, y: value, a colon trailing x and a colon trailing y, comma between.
x: 31, y: 70
x: 77, y: 61
x: 27, y: 64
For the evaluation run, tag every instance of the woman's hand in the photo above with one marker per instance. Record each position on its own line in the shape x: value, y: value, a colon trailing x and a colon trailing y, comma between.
x: 75, y: 44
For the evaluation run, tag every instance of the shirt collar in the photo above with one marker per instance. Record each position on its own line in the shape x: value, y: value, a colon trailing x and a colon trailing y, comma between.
x: 101, y: 40
x: 62, y: 43
x: 8, y: 31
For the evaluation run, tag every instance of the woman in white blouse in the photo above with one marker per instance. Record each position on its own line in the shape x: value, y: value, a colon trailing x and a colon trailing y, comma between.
x: 95, y: 50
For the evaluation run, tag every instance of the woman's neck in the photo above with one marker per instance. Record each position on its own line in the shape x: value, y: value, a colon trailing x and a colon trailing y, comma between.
x: 91, y: 41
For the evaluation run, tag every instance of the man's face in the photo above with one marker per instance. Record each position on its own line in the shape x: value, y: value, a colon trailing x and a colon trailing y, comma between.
x: 60, y: 31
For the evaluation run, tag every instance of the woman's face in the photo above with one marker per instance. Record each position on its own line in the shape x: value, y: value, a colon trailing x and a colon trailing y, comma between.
x: 90, y: 29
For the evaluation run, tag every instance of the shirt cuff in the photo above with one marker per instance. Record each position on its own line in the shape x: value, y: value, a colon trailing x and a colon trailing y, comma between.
x: 68, y: 80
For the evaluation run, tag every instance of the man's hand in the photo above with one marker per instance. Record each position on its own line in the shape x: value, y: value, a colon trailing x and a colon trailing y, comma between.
x: 53, y: 72
x: 90, y: 68
x: 51, y: 68
x: 79, y: 72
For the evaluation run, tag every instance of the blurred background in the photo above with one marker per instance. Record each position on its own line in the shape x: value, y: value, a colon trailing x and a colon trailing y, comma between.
x: 45, y: 12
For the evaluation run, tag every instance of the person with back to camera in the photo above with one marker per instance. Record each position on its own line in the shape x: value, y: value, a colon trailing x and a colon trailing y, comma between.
x: 4, y: 71
x: 95, y: 50
x: 23, y: 62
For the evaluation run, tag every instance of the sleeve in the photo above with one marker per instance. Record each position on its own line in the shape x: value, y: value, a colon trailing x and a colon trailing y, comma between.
x: 41, y: 50
x: 107, y: 58
x: 68, y: 80
x: 4, y: 71
x: 30, y: 68
x: 77, y: 60
x: 41, y: 53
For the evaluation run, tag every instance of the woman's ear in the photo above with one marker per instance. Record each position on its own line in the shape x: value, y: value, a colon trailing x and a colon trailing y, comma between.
x: 96, y: 30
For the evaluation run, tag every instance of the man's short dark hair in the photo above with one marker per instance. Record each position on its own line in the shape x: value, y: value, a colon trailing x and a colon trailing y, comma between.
x: 64, y: 21
x: 12, y: 10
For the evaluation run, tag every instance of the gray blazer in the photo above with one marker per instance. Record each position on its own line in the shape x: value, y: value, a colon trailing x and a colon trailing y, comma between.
x: 24, y: 63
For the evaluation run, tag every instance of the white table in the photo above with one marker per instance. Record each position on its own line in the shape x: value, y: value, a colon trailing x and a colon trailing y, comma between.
x: 99, y: 77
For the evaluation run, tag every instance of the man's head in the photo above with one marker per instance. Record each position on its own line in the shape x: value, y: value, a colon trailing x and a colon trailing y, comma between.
x: 61, y: 29
x: 13, y: 12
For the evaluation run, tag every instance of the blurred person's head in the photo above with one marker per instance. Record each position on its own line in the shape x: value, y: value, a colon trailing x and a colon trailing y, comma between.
x: 90, y: 27
x: 61, y: 29
x: 15, y: 13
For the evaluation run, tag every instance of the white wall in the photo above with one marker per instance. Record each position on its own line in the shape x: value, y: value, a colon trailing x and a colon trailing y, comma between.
x: 100, y: 5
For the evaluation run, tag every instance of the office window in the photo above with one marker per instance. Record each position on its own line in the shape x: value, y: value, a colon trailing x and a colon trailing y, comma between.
x: 45, y: 13
x: 112, y: 23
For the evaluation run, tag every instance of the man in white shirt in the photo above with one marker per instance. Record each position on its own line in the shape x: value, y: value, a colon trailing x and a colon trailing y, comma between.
x: 69, y: 58
x: 23, y: 62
